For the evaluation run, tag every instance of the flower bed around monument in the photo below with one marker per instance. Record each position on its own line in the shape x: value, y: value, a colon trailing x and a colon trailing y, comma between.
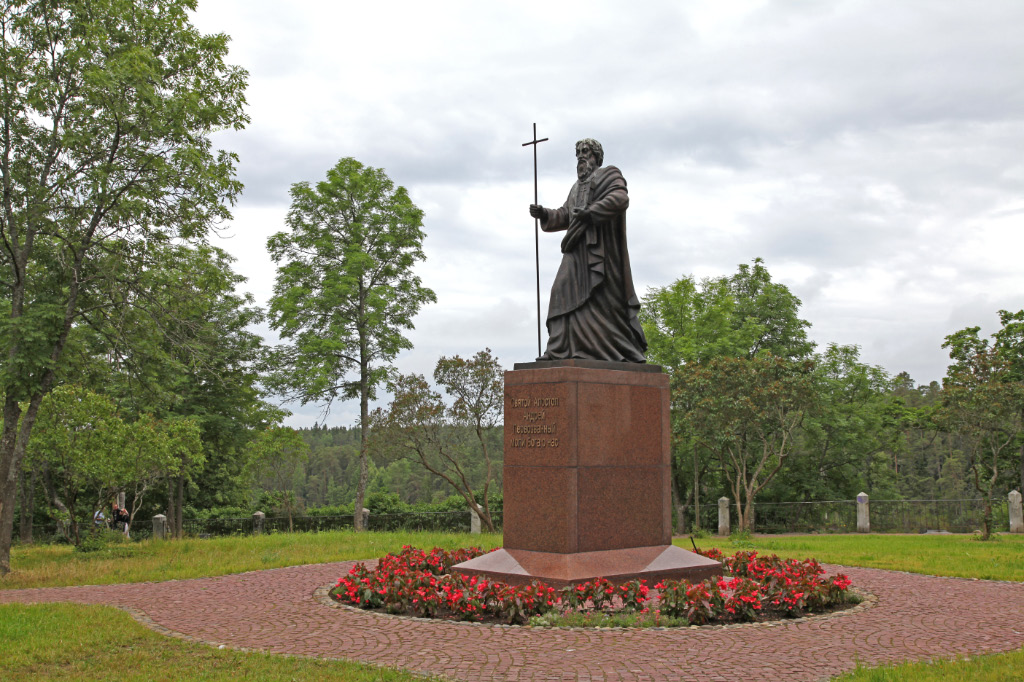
x: 419, y: 583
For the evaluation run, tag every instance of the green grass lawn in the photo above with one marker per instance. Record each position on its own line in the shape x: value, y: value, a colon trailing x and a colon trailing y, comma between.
x: 71, y: 642
x: 59, y: 565
x: 74, y: 642
x: 996, y: 668
x: 963, y: 556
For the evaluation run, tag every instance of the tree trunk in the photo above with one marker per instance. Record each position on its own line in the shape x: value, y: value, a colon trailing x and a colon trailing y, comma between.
x: 986, y: 521
x: 483, y: 514
x: 28, y: 506
x: 747, y: 513
x: 678, y: 505
x: 62, y: 527
x: 13, y: 442
x: 9, y: 468
x: 171, y: 516
x: 179, y: 507
x: 14, y: 437
x: 696, y: 491
x: 1021, y: 488
x: 364, y: 427
x: 487, y: 481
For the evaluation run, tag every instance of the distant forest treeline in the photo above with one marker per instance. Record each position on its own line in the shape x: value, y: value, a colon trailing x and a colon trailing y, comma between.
x: 329, y: 477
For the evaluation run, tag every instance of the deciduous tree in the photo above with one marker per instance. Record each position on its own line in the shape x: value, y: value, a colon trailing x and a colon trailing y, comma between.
x: 748, y: 412
x: 277, y: 455
x: 106, y: 107
x: 981, y: 403
x: 1009, y: 344
x: 79, y: 449
x: 841, y: 449
x: 159, y: 450
x: 345, y: 291
x: 690, y: 322
x: 450, y: 441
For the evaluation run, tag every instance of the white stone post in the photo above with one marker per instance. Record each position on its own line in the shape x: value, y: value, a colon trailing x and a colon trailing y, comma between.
x: 257, y: 522
x: 723, y: 516
x: 863, y: 514
x: 474, y: 522
x: 366, y: 519
x: 159, y: 527
x: 1016, y: 513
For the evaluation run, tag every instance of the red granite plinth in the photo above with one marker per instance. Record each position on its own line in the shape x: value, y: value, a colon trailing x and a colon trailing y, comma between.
x: 587, y: 478
x: 520, y: 567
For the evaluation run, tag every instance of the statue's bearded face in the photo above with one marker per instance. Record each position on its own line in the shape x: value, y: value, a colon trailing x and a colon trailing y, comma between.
x: 586, y: 162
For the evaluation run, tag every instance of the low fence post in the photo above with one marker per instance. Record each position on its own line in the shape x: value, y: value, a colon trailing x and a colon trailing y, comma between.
x: 257, y: 522
x: 159, y: 527
x: 474, y: 522
x: 863, y: 513
x: 723, y: 516
x: 1016, y: 512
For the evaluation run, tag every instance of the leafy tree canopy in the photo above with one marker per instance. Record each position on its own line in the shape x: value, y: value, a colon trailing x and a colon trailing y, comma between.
x: 345, y: 291
x: 740, y: 316
x: 106, y: 108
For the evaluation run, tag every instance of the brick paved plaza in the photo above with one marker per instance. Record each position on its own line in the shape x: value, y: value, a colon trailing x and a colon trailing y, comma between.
x: 915, y: 617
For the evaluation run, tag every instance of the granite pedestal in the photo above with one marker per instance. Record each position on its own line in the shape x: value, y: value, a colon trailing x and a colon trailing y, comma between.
x: 586, y: 478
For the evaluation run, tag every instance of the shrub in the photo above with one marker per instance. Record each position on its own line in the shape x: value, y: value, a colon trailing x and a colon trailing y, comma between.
x: 99, y: 539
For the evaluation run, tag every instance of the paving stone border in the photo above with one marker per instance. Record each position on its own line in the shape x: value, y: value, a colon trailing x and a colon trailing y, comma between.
x: 912, y: 617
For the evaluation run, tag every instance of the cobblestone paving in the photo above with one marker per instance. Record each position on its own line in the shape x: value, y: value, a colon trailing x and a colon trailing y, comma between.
x: 916, y: 617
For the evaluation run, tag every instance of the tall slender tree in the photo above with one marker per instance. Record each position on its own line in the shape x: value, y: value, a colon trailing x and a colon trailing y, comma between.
x: 345, y: 291
x: 106, y: 110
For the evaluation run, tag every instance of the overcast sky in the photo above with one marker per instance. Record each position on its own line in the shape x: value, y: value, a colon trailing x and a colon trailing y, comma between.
x: 869, y: 151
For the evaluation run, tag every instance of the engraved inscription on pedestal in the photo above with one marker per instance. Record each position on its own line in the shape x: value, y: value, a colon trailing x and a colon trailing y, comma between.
x: 537, y: 425
x: 535, y: 429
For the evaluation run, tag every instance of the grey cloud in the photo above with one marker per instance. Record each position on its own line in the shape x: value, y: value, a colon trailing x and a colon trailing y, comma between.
x: 840, y: 140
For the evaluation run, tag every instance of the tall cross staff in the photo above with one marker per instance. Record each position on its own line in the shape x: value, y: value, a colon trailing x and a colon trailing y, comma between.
x: 536, y: 226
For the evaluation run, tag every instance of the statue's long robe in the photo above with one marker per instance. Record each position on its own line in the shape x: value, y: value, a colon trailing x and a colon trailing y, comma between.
x: 593, y: 313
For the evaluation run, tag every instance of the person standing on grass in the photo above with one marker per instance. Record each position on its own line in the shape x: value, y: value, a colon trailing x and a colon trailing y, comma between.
x: 124, y: 517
